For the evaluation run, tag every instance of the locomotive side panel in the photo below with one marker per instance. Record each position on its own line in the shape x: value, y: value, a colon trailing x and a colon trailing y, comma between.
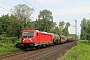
x: 45, y: 38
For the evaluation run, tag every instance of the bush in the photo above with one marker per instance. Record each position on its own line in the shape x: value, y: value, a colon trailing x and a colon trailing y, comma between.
x: 89, y: 42
x: 9, y: 44
x: 1, y: 45
x: 82, y: 41
x: 8, y: 39
x: 17, y: 45
x: 13, y: 39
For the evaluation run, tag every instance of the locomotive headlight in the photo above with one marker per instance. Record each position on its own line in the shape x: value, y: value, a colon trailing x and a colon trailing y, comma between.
x: 30, y: 39
x: 23, y: 39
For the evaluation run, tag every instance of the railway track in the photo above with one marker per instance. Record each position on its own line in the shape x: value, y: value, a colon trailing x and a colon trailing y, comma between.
x: 44, y: 54
x: 11, y: 54
x: 49, y: 53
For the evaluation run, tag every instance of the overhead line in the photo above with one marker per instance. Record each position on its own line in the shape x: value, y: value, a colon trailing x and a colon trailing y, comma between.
x: 38, y: 3
x: 5, y: 3
x: 31, y: 5
x: 5, y: 9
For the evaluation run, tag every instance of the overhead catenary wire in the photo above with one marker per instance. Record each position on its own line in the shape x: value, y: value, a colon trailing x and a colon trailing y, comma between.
x: 5, y: 9
x: 38, y: 3
x: 24, y: 1
x: 31, y: 5
x: 11, y: 5
x: 5, y: 3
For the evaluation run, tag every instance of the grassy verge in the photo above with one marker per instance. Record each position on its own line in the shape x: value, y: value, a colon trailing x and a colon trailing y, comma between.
x: 80, y: 52
x: 8, y: 46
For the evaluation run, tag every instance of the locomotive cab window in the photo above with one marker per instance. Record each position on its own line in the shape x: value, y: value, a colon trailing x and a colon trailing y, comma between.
x: 28, y: 34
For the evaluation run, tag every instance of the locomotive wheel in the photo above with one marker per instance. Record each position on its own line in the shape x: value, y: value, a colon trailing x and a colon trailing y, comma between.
x: 38, y: 47
x: 56, y: 42
x: 43, y: 45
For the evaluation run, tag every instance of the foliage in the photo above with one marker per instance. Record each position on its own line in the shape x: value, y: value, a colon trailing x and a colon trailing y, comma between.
x: 73, y: 36
x: 22, y: 12
x: 64, y: 30
x: 8, y: 39
x: 14, y: 28
x: 88, y: 30
x: 82, y: 41
x: 56, y: 31
x: 45, y: 21
x: 4, y: 22
x: 6, y: 48
x: 45, y: 15
x: 79, y: 52
x: 61, y: 26
x: 10, y: 25
x: 7, y: 45
x: 83, y: 28
x: 20, y: 19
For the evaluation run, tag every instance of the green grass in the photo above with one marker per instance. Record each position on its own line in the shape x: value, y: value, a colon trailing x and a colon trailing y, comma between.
x: 7, y: 45
x: 80, y: 52
x: 7, y: 48
x: 82, y: 42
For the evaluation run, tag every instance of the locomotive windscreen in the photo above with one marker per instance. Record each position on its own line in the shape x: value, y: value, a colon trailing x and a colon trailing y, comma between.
x: 28, y: 34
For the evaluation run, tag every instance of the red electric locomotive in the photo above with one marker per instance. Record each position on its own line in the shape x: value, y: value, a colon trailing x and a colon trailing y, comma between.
x: 35, y: 38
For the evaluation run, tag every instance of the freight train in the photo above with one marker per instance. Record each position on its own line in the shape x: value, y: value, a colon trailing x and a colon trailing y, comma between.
x: 35, y: 39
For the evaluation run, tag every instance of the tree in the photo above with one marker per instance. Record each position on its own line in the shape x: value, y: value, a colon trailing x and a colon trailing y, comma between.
x: 10, y: 25
x: 23, y: 12
x: 30, y: 25
x: 45, y: 21
x: 65, y: 31
x: 62, y: 23
x: 88, y: 31
x: 4, y: 23
x: 15, y: 27
x: 56, y: 30
x: 0, y: 28
x: 61, y: 26
x: 83, y: 29
x: 45, y: 15
x: 72, y: 36
x: 68, y: 24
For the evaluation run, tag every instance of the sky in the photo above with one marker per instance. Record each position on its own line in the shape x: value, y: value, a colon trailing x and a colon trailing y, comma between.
x: 66, y: 10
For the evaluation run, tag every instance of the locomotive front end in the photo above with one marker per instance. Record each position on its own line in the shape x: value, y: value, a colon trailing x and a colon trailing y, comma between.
x: 27, y: 39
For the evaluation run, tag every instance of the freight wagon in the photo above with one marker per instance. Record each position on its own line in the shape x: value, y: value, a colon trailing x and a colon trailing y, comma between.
x: 56, y: 38
x: 63, y: 39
